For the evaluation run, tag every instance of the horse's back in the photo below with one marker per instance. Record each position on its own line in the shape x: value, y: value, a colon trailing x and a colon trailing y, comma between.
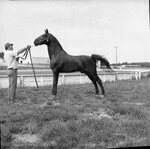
x: 69, y: 63
x: 86, y: 63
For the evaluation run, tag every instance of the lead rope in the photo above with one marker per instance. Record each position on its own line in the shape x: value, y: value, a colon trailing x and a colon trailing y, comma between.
x: 24, y: 57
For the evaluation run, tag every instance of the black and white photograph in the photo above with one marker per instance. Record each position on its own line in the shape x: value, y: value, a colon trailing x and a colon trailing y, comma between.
x: 74, y: 74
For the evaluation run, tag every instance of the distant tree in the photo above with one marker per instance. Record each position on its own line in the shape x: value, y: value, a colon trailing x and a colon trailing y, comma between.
x: 145, y: 64
x: 125, y: 63
x: 2, y: 55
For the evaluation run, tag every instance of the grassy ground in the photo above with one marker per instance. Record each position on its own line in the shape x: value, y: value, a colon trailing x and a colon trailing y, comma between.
x: 81, y: 120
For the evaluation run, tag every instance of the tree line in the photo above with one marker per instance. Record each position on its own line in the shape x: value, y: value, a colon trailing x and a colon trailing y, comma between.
x: 141, y: 64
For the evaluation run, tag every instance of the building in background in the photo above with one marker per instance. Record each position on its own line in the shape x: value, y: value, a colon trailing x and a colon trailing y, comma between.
x: 40, y: 60
x: 36, y: 60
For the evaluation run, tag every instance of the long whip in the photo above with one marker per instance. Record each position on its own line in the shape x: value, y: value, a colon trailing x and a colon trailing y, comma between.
x: 24, y: 57
x: 33, y: 69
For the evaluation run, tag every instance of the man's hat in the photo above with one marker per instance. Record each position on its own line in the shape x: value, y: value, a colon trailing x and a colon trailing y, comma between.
x: 8, y: 45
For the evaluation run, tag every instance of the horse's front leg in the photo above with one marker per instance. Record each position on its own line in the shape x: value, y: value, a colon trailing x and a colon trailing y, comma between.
x: 55, y: 81
x: 51, y: 98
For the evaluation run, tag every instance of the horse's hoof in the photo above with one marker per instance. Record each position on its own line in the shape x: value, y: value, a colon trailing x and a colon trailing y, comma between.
x: 52, y: 97
x: 102, y: 96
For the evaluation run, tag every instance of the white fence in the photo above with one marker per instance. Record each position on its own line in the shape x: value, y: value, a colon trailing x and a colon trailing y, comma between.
x: 71, y: 78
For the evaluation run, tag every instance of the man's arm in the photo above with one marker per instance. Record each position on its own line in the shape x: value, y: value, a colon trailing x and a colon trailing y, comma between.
x: 22, y: 50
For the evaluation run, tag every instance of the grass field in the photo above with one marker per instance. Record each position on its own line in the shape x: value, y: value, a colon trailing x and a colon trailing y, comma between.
x: 78, y: 119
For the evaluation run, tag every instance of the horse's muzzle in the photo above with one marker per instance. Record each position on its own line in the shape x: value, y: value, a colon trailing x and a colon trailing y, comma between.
x: 36, y: 42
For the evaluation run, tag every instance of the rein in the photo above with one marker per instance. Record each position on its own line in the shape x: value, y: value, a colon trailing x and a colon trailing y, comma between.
x: 25, y: 54
x: 24, y: 57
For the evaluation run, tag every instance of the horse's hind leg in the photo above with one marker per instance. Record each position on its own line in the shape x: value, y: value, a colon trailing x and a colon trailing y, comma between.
x: 100, y: 84
x: 93, y: 79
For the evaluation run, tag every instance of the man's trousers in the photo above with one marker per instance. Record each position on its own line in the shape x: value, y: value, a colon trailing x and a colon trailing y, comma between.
x: 12, y: 75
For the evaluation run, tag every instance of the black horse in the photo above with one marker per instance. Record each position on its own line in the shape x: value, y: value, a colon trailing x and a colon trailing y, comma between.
x: 60, y: 61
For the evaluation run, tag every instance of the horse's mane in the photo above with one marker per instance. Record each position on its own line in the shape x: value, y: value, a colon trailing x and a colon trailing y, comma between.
x: 56, y: 42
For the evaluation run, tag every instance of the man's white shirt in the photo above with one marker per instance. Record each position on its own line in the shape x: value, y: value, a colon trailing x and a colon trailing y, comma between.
x: 10, y: 59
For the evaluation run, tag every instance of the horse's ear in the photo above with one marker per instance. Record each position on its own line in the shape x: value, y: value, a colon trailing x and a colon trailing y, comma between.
x: 46, y: 31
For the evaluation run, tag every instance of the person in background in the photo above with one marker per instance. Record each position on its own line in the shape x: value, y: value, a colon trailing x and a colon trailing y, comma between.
x: 10, y: 58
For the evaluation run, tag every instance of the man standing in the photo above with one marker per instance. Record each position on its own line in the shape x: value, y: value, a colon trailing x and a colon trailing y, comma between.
x: 10, y: 57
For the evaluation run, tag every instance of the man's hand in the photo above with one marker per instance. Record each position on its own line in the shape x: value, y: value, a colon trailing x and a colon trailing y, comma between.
x: 17, y: 59
x: 28, y: 47
x: 24, y: 49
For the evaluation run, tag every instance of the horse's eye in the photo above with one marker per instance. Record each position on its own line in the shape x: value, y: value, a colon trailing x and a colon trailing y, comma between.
x: 44, y: 37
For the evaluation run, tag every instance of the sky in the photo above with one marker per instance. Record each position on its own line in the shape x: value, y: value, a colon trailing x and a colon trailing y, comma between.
x: 82, y: 27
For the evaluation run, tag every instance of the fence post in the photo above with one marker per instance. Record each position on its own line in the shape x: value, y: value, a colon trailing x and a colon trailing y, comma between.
x: 139, y: 75
x: 132, y: 76
x: 81, y: 78
x: 63, y: 79
x: 124, y: 76
x: 136, y: 75
x: 21, y: 81
x: 116, y: 76
x: 42, y: 81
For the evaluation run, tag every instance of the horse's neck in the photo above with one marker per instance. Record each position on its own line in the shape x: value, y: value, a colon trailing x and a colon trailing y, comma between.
x: 55, y: 49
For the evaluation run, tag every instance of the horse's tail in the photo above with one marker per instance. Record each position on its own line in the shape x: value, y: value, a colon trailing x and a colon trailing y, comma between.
x: 103, y: 60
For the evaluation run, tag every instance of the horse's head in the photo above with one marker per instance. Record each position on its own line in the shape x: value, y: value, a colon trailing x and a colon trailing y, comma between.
x: 43, y: 39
